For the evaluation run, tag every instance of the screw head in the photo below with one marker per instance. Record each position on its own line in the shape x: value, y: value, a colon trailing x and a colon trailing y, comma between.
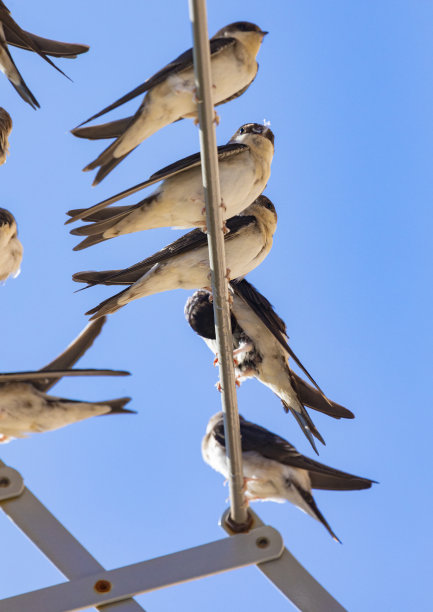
x: 102, y: 586
x: 262, y: 542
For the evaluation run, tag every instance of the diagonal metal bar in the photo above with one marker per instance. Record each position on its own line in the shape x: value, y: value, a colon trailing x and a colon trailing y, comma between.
x: 243, y: 549
x: 214, y: 222
x: 49, y: 535
x: 292, y: 579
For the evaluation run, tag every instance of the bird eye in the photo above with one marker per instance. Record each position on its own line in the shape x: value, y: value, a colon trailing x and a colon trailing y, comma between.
x: 241, y: 130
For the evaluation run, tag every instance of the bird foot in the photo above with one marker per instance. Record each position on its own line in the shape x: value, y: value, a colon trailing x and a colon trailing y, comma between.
x: 235, y: 362
x: 225, y: 229
x: 216, y: 118
x: 228, y: 272
x: 219, y: 386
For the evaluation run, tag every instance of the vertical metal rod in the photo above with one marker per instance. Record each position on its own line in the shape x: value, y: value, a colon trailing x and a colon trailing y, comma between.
x: 214, y: 222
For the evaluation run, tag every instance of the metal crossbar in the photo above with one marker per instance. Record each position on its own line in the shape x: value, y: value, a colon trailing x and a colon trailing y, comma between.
x: 90, y: 585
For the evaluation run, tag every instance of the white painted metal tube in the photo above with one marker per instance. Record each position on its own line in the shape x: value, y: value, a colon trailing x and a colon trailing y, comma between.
x: 214, y: 222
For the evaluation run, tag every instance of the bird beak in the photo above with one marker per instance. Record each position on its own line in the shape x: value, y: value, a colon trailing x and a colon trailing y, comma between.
x: 264, y: 33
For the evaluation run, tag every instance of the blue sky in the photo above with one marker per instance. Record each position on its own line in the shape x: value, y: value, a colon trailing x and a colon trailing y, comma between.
x: 347, y: 88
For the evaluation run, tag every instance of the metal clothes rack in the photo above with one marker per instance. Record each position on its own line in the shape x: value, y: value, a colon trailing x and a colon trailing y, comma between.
x: 250, y: 542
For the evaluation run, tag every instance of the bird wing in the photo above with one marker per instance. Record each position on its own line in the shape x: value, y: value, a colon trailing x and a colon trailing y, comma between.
x: 23, y: 36
x: 261, y: 305
x: 72, y: 353
x: 30, y: 377
x: 112, y: 129
x: 313, y: 399
x: 263, y: 309
x: 182, y: 165
x: 181, y: 63
x: 47, y: 46
x: 270, y: 445
x: 188, y: 242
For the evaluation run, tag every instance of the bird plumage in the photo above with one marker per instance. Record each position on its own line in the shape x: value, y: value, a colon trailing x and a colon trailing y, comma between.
x: 5, y: 130
x: 244, y: 169
x: 185, y: 263
x: 25, y: 406
x: 12, y: 34
x: 170, y: 92
x: 262, y: 351
x: 11, y: 249
x: 274, y: 470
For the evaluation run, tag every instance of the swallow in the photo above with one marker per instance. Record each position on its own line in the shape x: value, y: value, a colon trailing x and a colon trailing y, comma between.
x: 244, y: 169
x: 170, y: 93
x: 25, y: 406
x: 11, y: 249
x: 184, y: 264
x: 5, y: 130
x: 12, y: 34
x: 273, y: 469
x: 261, y: 351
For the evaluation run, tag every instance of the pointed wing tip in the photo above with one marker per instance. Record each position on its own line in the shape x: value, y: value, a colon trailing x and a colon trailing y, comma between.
x: 71, y: 220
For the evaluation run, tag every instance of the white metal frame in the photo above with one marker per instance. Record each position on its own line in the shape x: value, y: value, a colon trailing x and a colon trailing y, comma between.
x: 250, y: 542
x: 91, y: 585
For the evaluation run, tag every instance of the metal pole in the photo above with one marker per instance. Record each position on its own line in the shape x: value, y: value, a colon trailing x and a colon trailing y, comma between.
x: 214, y: 222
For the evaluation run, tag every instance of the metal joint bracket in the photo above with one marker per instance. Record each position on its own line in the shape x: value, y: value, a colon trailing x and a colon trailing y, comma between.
x: 11, y: 483
x: 258, y: 546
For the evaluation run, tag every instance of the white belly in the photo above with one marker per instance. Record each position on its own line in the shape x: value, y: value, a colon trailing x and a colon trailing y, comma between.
x: 175, y: 98
x: 10, y: 258
x: 24, y: 410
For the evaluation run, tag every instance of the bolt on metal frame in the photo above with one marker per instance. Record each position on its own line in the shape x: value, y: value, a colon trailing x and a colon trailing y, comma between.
x: 89, y: 583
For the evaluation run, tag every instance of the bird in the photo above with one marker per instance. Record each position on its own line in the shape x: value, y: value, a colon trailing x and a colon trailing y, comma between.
x: 5, y: 130
x: 244, y: 169
x: 261, y: 351
x: 12, y: 34
x: 25, y: 406
x: 11, y: 249
x: 184, y: 264
x: 274, y: 470
x: 170, y: 93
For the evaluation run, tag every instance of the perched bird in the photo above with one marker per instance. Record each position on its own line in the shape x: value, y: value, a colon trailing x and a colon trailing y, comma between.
x: 261, y: 351
x: 11, y: 249
x: 25, y: 406
x: 170, y: 93
x: 12, y: 34
x: 274, y: 470
x: 244, y: 169
x: 184, y: 264
x: 5, y: 130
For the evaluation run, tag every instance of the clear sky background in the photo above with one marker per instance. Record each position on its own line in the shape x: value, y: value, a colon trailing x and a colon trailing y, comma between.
x: 347, y: 87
